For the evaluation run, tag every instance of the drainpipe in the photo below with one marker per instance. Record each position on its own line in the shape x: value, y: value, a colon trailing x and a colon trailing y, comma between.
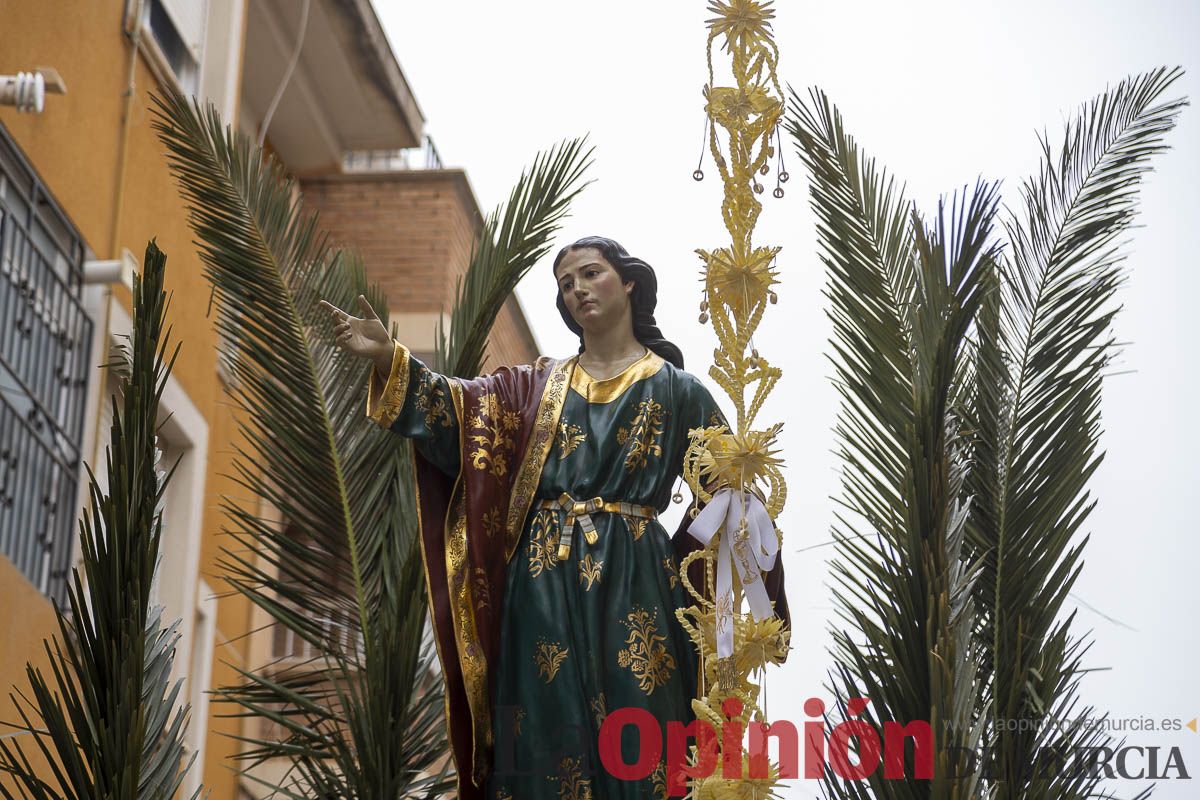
x: 114, y: 244
x: 123, y: 133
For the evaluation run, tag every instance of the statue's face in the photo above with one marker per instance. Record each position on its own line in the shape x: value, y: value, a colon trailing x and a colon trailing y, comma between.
x: 592, y: 289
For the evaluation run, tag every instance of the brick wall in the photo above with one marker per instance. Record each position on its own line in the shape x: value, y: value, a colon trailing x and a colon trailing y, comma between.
x: 414, y: 231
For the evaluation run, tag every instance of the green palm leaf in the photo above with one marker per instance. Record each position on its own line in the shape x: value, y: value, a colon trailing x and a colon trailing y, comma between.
x: 108, y: 731
x: 969, y: 429
x: 902, y: 299
x: 363, y: 717
x: 514, y: 238
x: 1042, y: 353
x: 341, y: 572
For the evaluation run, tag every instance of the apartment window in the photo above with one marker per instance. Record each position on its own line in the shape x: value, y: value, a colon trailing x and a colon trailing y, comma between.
x: 45, y: 345
x: 177, y: 30
x: 199, y: 682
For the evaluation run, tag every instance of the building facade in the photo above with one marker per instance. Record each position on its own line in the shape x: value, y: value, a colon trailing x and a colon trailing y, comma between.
x: 84, y: 184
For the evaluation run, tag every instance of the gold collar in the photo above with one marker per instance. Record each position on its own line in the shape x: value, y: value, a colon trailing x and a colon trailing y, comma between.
x: 609, y: 389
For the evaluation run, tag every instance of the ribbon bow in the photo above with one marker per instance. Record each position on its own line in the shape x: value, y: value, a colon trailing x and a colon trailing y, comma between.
x: 749, y: 541
x: 577, y: 510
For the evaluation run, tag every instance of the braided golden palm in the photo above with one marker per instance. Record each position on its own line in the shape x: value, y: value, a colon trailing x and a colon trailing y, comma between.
x: 738, y: 285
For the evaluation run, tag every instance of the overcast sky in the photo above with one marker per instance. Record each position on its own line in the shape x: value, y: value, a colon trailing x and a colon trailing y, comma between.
x: 940, y: 92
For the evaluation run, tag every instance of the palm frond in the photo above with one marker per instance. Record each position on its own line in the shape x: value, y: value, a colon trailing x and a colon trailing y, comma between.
x: 107, y: 730
x: 968, y: 438
x: 514, y: 238
x: 902, y: 299
x: 341, y: 571
x: 1040, y: 364
x: 363, y: 717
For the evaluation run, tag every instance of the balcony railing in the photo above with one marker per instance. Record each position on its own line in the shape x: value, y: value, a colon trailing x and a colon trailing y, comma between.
x: 45, y: 344
x: 412, y: 158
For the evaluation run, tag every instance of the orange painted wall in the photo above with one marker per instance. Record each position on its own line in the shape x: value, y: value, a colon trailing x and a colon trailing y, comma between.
x: 21, y: 600
x: 74, y: 145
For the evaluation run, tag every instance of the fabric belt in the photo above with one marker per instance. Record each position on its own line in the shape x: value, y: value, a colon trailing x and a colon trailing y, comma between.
x: 581, y: 511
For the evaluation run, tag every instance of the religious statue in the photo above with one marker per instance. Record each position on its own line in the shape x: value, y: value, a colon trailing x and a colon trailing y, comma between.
x: 552, y: 585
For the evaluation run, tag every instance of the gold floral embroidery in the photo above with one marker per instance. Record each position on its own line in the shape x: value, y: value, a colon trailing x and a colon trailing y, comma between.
x: 543, y: 542
x: 431, y: 400
x: 571, y: 783
x: 492, y: 428
x: 483, y: 593
x: 646, y: 656
x: 672, y: 571
x: 569, y: 437
x: 637, y: 526
x: 598, y: 709
x: 491, y: 522
x: 659, y: 779
x: 548, y: 658
x: 644, y: 434
x: 503, y: 794
x: 589, y: 570
x: 717, y: 420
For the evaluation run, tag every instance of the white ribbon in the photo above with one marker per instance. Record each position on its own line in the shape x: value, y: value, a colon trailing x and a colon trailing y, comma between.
x: 749, y: 541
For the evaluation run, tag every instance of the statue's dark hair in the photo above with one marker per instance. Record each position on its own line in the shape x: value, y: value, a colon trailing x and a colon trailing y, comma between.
x: 642, y: 299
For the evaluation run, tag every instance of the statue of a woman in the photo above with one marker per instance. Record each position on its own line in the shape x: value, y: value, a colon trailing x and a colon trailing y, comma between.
x: 552, y: 585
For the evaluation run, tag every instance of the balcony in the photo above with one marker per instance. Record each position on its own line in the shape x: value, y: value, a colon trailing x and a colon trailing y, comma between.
x: 45, y: 343
x: 409, y: 158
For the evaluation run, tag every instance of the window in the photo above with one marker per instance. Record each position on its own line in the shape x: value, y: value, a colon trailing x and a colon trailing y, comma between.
x: 177, y: 30
x: 45, y: 350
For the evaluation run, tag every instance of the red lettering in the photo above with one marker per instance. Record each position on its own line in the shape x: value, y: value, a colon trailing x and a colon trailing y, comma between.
x: 893, y: 749
x: 785, y: 732
x: 678, y: 770
x: 868, y: 744
x: 731, y: 739
x: 649, y: 744
x: 814, y: 740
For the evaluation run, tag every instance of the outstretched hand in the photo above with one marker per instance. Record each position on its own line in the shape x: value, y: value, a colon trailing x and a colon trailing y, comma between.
x: 362, y: 336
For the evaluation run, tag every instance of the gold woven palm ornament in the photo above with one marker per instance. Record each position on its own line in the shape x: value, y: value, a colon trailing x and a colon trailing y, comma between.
x: 737, y: 473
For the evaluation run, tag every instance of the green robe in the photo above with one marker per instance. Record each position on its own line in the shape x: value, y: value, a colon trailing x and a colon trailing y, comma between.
x: 598, y: 631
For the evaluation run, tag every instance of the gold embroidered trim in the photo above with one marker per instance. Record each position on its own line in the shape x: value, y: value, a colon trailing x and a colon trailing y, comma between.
x: 385, y: 402
x: 462, y: 609
x: 609, y: 389
x: 536, y: 450
x: 482, y: 591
